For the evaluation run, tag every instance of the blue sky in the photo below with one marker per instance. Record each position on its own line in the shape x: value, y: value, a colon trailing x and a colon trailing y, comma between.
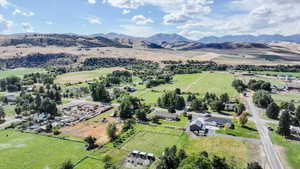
x: 191, y: 18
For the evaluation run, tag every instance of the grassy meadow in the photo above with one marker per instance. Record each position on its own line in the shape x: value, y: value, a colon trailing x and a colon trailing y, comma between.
x: 30, y: 151
x: 19, y: 72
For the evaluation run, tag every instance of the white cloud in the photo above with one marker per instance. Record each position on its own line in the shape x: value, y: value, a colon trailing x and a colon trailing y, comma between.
x: 92, y: 1
x: 141, y: 20
x: 27, y: 27
x: 125, y: 11
x: 49, y: 22
x: 94, y: 20
x: 4, y: 24
x: 24, y: 13
x: 177, y: 11
x: 134, y: 30
x: 3, y: 3
x: 195, y: 35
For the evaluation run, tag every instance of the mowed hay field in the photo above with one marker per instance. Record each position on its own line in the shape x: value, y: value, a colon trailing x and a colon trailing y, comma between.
x: 90, y: 163
x: 153, y: 142
x: 233, y: 150
x: 214, y: 82
x: 20, y: 72
x: 76, y: 77
x: 29, y: 151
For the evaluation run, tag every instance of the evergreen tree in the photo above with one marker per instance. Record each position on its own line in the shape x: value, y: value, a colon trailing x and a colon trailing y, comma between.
x: 254, y: 165
x: 224, y: 98
x: 297, y: 114
x: 126, y: 109
x: 243, y: 118
x: 273, y: 111
x: 239, y: 109
x: 2, y: 113
x: 284, y: 124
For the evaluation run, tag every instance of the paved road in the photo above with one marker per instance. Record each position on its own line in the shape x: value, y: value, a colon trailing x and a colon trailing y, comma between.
x: 272, y: 156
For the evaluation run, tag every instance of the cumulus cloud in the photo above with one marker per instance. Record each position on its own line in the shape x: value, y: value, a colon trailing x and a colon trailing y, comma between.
x: 125, y: 11
x: 92, y: 1
x: 27, y: 27
x: 4, y: 24
x: 94, y: 20
x: 3, y: 3
x: 177, y: 11
x: 21, y: 12
x: 141, y: 20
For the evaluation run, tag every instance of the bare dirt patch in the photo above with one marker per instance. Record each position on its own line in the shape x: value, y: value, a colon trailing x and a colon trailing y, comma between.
x: 95, y: 129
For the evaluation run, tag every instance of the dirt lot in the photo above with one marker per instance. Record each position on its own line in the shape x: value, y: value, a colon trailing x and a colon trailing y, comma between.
x: 95, y: 129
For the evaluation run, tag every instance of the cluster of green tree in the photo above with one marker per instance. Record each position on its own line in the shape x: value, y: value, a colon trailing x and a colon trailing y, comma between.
x: 132, y: 106
x: 42, y: 101
x: 262, y: 98
x: 39, y: 60
x: 252, y: 84
x: 259, y: 85
x: 158, y: 80
x: 99, y: 92
x: 10, y: 84
x: 171, y: 101
x: 109, y: 62
x: 194, y: 67
x: 14, y: 83
x: 178, y: 159
x: 33, y: 78
x: 75, y: 92
x: 239, y: 85
x: 275, y: 68
x: 2, y: 114
x: 214, y: 102
x: 117, y: 77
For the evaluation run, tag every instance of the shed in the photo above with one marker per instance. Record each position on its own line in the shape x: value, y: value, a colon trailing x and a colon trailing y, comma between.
x: 197, y: 125
x: 10, y: 98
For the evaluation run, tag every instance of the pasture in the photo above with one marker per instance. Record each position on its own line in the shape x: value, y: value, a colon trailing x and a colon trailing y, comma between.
x: 76, y: 77
x: 90, y: 163
x: 272, y: 80
x: 233, y: 150
x: 215, y: 82
x: 248, y: 131
x: 20, y: 72
x: 30, y: 151
x: 151, y: 142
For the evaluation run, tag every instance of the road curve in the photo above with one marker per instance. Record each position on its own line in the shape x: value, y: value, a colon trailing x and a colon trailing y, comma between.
x: 271, y: 154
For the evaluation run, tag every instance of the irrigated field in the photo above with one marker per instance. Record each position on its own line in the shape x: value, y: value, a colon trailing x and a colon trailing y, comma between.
x: 30, y: 151
x: 75, y: 77
x: 153, y: 142
x: 216, y: 82
x: 234, y: 150
x: 19, y: 72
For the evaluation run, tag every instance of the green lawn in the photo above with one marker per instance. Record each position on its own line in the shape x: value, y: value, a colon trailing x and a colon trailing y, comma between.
x: 217, y: 82
x: 90, y: 163
x: 233, y: 150
x: 148, y: 96
x: 286, y: 97
x: 30, y: 151
x: 9, y: 110
x: 182, y: 123
x: 248, y: 131
x: 19, y: 72
x: 151, y: 142
x: 292, y: 152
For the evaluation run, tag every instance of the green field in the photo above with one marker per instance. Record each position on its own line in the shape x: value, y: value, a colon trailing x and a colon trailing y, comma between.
x: 233, y: 150
x: 181, y: 123
x: 292, y: 148
x: 217, y: 82
x: 248, y: 131
x: 29, y: 151
x: 90, y: 163
x: 76, y: 77
x: 146, y: 141
x: 19, y: 72
x: 147, y: 96
x: 286, y: 97
x: 9, y: 110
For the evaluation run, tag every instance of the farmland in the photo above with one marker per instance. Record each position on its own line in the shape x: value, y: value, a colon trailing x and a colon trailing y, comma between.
x: 75, y: 77
x: 28, y: 151
x: 20, y: 72
x: 216, y: 82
